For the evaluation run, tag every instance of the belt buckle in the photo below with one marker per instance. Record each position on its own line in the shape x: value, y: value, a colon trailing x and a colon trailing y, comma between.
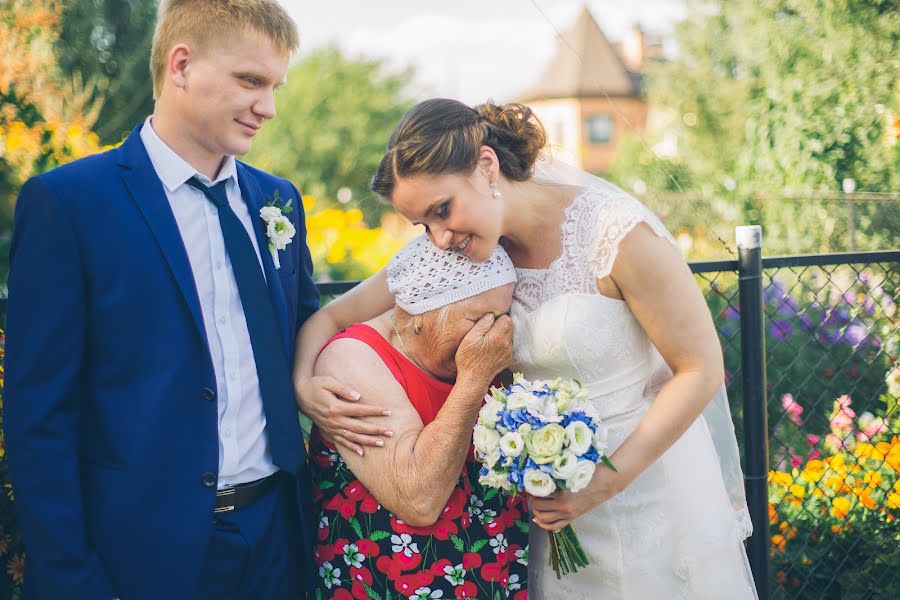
x: 222, y: 494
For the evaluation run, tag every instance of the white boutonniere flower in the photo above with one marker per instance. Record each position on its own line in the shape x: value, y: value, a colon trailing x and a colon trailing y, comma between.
x: 279, y: 228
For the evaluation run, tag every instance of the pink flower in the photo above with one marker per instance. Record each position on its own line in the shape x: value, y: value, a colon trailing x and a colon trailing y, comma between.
x: 812, y: 439
x: 814, y: 455
x: 870, y: 426
x: 792, y: 408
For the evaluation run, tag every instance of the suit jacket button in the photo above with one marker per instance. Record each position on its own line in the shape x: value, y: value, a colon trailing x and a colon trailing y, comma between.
x: 209, y: 479
x: 208, y: 394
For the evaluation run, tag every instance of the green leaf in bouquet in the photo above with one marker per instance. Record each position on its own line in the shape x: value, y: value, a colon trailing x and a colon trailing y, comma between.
x: 605, y: 460
x: 457, y: 543
x: 377, y: 536
x: 478, y: 545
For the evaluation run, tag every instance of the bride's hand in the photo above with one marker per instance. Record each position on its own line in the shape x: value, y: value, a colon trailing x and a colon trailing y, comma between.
x: 562, y: 507
x: 335, y: 409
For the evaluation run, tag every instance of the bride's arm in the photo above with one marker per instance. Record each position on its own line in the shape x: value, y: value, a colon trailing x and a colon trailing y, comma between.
x: 661, y: 292
x: 332, y: 405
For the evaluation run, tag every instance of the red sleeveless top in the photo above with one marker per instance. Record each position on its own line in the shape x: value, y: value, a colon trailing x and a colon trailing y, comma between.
x: 426, y: 394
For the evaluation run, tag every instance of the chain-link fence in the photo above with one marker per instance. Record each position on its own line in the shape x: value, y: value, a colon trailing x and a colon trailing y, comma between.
x: 831, y: 333
x: 826, y: 501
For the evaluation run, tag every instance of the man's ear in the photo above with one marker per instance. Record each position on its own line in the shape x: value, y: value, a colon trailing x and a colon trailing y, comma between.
x: 179, y: 65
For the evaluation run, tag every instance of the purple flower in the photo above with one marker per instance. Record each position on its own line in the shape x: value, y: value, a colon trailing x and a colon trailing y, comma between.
x: 855, y: 335
x: 780, y: 329
x: 732, y: 314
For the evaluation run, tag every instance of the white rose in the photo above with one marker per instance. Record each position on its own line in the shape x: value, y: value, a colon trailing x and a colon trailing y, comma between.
x: 269, y: 213
x: 485, y: 440
x: 545, y: 443
x: 562, y: 401
x: 601, y: 442
x: 494, y: 479
x: 579, y: 436
x: 487, y: 417
x: 512, y: 444
x: 518, y: 400
x: 280, y: 232
x: 538, y: 483
x: 584, y: 471
x: 564, y: 466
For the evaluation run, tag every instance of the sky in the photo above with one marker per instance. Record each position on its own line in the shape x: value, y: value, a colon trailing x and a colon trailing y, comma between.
x: 470, y: 50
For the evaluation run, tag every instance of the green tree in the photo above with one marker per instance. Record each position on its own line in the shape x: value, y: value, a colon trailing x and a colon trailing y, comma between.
x: 108, y: 42
x: 786, y: 97
x: 334, y: 118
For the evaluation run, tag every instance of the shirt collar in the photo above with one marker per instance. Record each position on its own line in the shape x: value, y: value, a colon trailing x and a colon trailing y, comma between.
x: 173, y: 170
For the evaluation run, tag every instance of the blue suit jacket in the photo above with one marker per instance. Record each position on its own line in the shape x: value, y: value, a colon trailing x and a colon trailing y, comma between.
x: 108, y: 428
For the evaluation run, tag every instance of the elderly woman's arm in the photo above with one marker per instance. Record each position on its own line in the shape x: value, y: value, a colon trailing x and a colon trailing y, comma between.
x: 331, y: 401
x: 416, y: 471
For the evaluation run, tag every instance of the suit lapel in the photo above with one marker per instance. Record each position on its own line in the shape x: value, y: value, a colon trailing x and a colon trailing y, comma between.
x: 254, y: 198
x: 147, y: 192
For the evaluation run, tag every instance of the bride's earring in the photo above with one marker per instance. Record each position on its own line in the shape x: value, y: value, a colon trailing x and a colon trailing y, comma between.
x: 494, y: 191
x: 416, y: 329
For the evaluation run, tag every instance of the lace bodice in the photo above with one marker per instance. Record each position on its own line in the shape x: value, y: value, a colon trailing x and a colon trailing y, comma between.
x: 672, y: 533
x: 563, y: 326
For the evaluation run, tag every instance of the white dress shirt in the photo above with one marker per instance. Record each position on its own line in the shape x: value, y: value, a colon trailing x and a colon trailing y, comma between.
x: 244, y: 453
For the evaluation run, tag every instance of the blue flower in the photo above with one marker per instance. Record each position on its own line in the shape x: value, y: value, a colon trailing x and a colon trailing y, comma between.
x: 511, y: 419
x: 591, y: 455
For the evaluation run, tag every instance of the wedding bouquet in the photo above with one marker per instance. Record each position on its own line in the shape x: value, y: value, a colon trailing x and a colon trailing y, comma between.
x: 541, y: 436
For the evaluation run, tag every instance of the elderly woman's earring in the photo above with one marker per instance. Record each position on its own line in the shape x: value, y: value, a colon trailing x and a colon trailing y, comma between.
x: 416, y: 329
x: 494, y: 191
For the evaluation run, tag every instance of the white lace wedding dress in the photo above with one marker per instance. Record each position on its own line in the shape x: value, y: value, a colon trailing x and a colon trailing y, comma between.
x: 673, y: 533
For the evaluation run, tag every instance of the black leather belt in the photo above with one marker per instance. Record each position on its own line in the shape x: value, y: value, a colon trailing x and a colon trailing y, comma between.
x: 244, y: 494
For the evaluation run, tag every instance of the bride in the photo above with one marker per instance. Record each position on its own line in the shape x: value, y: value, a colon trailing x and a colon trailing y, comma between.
x: 603, y: 296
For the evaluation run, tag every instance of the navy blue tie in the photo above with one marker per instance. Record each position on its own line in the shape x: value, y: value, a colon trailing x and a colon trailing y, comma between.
x: 282, y: 425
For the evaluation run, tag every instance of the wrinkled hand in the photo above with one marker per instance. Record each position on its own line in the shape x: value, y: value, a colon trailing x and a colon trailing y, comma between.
x: 486, y: 350
x: 562, y: 506
x: 335, y: 409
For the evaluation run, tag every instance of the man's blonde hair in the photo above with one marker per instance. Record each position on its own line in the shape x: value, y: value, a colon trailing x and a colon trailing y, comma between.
x: 198, y: 22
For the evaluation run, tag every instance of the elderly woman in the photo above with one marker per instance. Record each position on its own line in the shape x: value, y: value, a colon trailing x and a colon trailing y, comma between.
x: 409, y: 518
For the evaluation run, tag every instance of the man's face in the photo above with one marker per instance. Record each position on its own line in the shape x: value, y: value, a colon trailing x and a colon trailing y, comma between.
x: 228, y: 92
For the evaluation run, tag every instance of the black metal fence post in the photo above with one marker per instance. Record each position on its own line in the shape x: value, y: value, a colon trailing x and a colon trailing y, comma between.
x: 756, y: 446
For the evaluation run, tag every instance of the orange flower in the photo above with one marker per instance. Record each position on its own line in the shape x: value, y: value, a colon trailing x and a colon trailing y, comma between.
x: 867, y: 500
x: 778, y: 542
x: 773, y: 514
x: 840, y: 507
x: 15, y: 568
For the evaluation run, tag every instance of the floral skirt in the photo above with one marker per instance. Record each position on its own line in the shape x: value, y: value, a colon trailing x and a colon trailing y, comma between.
x: 478, y: 548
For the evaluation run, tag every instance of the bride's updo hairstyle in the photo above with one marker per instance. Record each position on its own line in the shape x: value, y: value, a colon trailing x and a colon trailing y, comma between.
x: 444, y: 137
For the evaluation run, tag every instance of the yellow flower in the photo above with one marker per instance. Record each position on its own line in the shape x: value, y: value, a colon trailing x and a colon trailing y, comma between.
x: 814, y: 471
x: 837, y: 463
x: 840, y: 507
x: 893, y: 500
x: 780, y: 478
x: 797, y: 490
x: 835, y: 482
x: 873, y: 478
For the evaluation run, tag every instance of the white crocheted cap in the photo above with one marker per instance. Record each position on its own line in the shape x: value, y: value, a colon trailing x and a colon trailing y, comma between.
x: 423, y: 277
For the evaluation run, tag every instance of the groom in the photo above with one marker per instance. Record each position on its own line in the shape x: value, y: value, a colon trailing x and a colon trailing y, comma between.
x: 150, y: 420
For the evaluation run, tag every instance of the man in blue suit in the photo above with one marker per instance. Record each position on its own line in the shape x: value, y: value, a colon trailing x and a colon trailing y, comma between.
x: 155, y: 292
